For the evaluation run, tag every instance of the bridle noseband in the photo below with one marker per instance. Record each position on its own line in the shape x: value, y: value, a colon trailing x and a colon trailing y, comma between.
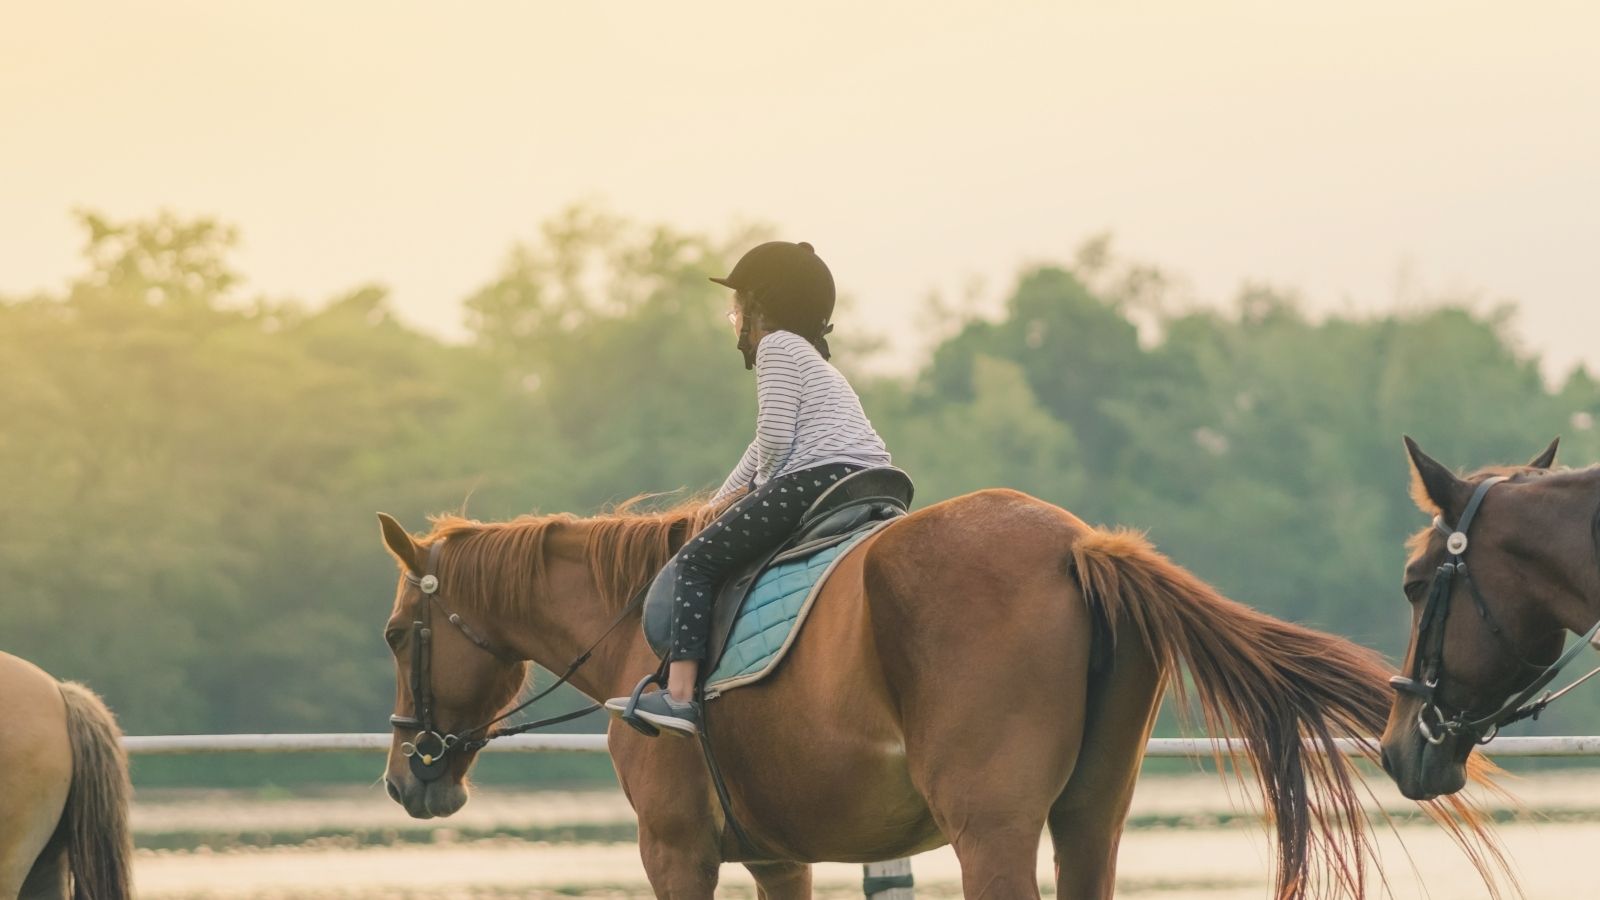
x: 1428, y: 661
x: 429, y: 750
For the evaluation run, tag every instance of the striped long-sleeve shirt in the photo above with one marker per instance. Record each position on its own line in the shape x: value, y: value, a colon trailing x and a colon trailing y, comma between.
x: 806, y: 415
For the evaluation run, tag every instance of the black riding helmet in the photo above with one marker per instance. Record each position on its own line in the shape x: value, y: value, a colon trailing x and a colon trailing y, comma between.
x: 790, y: 287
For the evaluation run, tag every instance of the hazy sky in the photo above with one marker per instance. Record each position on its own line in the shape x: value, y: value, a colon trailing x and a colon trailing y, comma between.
x: 1365, y: 153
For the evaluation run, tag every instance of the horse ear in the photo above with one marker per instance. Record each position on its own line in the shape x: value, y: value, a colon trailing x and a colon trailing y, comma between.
x: 1434, y: 488
x: 399, y: 542
x: 1546, y: 459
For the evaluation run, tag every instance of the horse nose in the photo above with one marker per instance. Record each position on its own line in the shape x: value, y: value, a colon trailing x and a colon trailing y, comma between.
x: 394, y: 789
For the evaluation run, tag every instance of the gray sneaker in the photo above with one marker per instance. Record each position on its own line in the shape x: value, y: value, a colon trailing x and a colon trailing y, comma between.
x: 658, y: 708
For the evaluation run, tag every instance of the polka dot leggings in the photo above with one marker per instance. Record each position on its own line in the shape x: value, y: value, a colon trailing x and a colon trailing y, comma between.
x: 749, y: 529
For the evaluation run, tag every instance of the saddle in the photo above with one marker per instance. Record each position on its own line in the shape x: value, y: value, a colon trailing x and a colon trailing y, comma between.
x: 856, y: 502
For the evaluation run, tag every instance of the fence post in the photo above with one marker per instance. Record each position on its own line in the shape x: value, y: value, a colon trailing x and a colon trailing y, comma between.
x: 888, y: 880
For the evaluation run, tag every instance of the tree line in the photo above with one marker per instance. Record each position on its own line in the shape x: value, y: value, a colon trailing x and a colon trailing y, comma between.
x: 188, y: 472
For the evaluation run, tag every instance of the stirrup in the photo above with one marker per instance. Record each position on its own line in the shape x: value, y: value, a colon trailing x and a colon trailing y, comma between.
x: 630, y: 713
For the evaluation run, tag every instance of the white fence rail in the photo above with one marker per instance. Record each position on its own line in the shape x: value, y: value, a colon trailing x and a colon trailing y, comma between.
x: 1587, y: 745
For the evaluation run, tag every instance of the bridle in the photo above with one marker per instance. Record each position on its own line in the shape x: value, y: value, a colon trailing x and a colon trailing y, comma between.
x: 429, y: 750
x: 1428, y: 660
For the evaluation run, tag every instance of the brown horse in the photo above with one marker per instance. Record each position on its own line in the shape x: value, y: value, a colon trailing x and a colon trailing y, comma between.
x: 973, y: 674
x: 63, y: 790
x: 1484, y: 634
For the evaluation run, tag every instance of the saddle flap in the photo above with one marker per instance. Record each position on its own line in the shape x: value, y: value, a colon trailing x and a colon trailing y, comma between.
x: 774, y: 612
x: 658, y: 607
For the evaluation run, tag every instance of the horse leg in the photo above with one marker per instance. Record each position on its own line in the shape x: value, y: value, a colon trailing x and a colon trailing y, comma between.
x: 49, y: 879
x: 665, y: 781
x: 680, y: 865
x: 993, y: 826
x: 18, y: 850
x: 782, y: 880
x: 36, y: 776
x: 1086, y: 820
x: 991, y: 746
x: 29, y: 855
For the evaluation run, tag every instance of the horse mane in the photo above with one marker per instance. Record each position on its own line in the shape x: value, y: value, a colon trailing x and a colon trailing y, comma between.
x: 491, y: 566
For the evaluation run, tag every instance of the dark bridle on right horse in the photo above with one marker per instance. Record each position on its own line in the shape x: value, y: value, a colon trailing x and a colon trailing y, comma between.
x: 1428, y: 661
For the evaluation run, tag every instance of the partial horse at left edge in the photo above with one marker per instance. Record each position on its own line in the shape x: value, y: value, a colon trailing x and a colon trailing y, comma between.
x: 64, y: 790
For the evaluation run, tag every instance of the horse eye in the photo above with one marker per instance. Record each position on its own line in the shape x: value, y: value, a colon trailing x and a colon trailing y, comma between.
x: 1412, y: 587
x: 394, y: 636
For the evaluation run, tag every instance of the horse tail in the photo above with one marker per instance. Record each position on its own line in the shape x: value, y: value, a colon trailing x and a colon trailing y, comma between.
x: 95, y: 823
x: 1289, y: 693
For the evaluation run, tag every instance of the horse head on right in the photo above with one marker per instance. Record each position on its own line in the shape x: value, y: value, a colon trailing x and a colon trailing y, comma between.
x: 1483, y: 632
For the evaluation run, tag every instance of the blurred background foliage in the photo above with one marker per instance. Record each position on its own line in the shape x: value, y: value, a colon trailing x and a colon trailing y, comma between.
x: 188, y: 473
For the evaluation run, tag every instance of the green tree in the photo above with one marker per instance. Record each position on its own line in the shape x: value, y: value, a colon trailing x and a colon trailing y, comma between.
x: 192, y: 470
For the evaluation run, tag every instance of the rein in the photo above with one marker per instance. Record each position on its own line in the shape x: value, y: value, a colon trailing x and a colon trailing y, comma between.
x: 429, y: 750
x: 1428, y: 661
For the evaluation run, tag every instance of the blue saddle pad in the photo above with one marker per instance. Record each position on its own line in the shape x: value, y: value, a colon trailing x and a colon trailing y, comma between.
x: 772, y: 614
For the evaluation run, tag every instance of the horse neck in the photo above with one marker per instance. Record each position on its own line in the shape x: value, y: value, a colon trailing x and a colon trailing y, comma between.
x: 1583, y: 615
x: 558, y: 625
x: 1582, y: 580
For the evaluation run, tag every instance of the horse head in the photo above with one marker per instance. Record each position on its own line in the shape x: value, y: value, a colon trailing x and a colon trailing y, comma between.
x: 1482, y: 633
x: 448, y: 677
